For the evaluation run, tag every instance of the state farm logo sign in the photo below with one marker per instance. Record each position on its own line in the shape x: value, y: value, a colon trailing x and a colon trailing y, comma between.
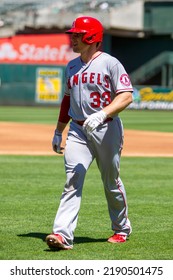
x: 33, y: 53
x: 45, y: 49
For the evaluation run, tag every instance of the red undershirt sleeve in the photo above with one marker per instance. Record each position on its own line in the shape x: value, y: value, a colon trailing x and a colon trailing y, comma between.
x: 65, y: 105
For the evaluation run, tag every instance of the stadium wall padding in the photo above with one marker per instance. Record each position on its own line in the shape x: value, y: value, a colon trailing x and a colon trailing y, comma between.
x: 18, y: 84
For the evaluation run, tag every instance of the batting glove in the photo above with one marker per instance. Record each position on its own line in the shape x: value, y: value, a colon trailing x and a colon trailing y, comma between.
x: 56, y: 142
x: 94, y: 121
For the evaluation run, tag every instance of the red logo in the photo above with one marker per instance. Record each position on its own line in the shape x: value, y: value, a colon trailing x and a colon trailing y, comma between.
x: 125, y: 80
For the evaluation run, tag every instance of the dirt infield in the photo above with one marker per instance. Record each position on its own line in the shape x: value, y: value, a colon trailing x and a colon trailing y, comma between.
x: 35, y: 139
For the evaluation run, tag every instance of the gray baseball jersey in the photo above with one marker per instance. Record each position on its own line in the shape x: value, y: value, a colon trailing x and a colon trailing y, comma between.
x: 91, y: 87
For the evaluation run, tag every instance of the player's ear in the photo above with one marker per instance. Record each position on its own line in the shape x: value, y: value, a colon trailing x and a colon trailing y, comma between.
x: 98, y: 45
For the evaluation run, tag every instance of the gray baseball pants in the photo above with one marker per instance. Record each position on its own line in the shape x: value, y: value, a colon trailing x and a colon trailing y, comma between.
x: 105, y: 147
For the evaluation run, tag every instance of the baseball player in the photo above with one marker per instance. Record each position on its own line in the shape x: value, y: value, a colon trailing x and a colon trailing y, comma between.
x: 97, y: 89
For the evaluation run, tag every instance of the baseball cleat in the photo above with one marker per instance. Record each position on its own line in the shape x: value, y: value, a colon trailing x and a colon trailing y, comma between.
x: 56, y: 241
x: 117, y: 238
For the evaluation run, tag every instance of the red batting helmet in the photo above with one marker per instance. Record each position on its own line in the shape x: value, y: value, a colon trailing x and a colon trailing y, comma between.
x: 90, y: 27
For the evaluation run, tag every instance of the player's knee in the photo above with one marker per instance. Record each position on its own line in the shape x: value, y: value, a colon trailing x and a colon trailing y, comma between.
x: 75, y: 178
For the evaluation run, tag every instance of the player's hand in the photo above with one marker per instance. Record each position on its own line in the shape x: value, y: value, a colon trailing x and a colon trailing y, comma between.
x: 56, y: 142
x: 94, y: 121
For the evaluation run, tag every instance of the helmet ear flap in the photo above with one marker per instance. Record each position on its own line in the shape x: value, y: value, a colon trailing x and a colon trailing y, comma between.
x: 89, y: 40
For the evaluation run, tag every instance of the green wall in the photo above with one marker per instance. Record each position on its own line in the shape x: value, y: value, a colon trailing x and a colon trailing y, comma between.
x: 158, y: 17
x: 18, y: 84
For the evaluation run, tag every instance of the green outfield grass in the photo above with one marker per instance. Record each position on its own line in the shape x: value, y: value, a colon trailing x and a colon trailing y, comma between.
x: 132, y: 119
x: 30, y: 190
x: 31, y: 187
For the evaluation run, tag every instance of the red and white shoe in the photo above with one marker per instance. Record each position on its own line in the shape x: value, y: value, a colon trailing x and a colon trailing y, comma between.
x: 56, y: 241
x: 117, y: 238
